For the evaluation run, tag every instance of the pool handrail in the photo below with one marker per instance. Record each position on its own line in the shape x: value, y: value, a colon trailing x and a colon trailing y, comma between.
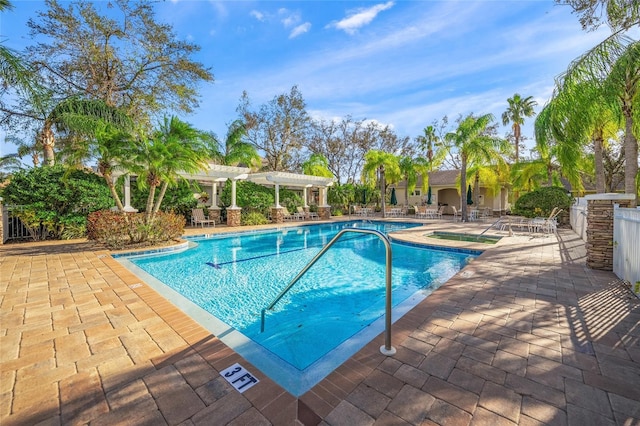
x: 386, y: 349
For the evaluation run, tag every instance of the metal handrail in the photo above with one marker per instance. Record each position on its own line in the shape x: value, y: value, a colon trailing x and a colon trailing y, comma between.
x: 386, y: 349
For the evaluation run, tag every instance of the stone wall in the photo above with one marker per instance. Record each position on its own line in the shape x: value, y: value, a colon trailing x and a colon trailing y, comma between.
x: 600, y: 229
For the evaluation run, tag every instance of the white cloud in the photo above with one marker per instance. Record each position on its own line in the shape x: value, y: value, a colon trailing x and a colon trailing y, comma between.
x: 290, y: 18
x: 257, y: 14
x: 300, y: 29
x: 360, y: 18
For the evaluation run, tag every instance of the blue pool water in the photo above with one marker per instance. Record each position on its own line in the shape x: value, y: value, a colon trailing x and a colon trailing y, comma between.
x: 234, y: 277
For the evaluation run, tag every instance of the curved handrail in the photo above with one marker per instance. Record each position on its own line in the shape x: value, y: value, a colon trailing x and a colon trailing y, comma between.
x: 386, y: 349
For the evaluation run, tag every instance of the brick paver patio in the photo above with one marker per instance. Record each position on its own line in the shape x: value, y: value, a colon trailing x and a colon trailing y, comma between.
x: 526, y: 334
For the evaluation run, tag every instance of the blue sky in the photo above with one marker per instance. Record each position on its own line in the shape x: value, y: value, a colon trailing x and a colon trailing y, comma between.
x: 401, y: 63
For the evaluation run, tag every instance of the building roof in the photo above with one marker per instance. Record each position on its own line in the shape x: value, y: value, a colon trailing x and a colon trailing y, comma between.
x: 443, y: 177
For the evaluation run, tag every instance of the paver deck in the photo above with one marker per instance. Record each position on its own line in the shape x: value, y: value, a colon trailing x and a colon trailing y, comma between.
x: 526, y: 334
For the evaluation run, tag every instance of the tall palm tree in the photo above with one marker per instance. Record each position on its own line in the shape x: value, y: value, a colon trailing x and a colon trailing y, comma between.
x: 411, y: 169
x: 473, y: 142
x: 624, y: 83
x: 382, y: 167
x: 614, y: 66
x: 519, y: 108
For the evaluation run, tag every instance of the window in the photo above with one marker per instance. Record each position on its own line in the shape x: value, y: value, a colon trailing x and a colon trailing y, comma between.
x: 416, y: 193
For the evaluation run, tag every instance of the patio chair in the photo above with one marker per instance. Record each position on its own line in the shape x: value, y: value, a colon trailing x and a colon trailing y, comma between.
x: 307, y: 216
x: 197, y: 218
x: 456, y: 216
x: 288, y: 216
x: 421, y: 212
x: 547, y: 225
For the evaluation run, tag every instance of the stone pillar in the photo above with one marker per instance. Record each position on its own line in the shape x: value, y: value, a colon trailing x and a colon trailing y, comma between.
x: 600, y: 228
x: 324, y: 212
x: 214, y: 213
x: 277, y: 215
x: 233, y: 216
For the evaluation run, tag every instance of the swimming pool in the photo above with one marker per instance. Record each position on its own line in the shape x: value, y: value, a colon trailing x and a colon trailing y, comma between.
x: 225, y: 281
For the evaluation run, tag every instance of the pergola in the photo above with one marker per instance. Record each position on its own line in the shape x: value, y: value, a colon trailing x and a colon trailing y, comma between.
x: 216, y: 173
x: 293, y: 180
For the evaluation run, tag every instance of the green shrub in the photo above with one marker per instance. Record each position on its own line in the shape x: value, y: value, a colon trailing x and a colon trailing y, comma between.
x: 178, y: 199
x: 117, y: 230
x: 249, y: 196
x: 56, y: 200
x: 253, y: 218
x: 541, y: 202
x: 336, y: 212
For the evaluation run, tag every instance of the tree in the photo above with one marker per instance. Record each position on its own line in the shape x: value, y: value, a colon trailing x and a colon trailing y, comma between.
x: 344, y: 144
x: 316, y: 165
x: 614, y: 64
x: 235, y: 150
x: 614, y: 68
x: 128, y: 61
x: 411, y: 169
x: 473, y: 140
x: 624, y: 83
x: 175, y: 147
x: 15, y: 70
x: 519, y: 108
x: 383, y: 168
x: 578, y: 117
x: 9, y: 164
x: 278, y: 128
x: 619, y: 14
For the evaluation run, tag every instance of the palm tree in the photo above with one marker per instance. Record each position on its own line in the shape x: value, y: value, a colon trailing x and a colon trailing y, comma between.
x: 614, y: 66
x: 473, y: 142
x: 236, y: 150
x: 9, y: 164
x: 175, y: 147
x: 623, y: 82
x: 517, y: 111
x: 411, y: 169
x: 383, y: 167
x: 317, y: 165
x: 15, y: 71
x: 113, y: 149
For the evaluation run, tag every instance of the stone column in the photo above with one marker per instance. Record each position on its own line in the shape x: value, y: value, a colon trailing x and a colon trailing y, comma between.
x: 277, y: 215
x: 214, y: 213
x: 600, y: 228
x: 233, y: 216
x: 324, y: 212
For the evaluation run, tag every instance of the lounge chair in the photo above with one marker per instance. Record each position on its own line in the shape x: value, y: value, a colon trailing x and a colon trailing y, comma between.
x: 197, y: 218
x: 288, y: 216
x: 307, y: 216
x: 547, y: 225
